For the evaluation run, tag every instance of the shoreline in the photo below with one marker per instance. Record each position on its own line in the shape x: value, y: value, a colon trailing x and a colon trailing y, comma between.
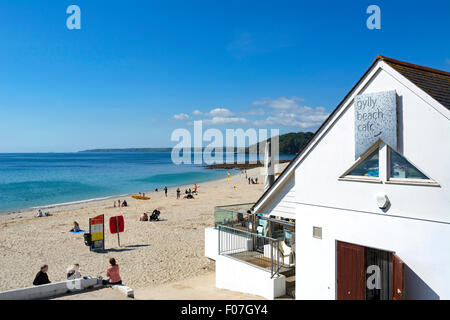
x: 68, y: 206
x: 93, y: 200
x: 241, y: 166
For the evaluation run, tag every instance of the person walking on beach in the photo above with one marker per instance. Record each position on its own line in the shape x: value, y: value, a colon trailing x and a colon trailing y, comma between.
x: 41, y: 276
x: 178, y: 193
x: 113, y: 273
x: 118, y: 203
x: 248, y: 180
x: 165, y: 191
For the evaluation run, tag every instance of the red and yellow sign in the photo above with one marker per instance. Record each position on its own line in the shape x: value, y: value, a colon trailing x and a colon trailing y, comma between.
x: 96, y: 229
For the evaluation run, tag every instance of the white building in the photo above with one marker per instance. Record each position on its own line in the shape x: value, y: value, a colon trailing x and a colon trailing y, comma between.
x: 370, y: 195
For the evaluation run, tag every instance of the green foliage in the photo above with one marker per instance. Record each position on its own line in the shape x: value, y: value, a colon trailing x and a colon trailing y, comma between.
x: 290, y: 143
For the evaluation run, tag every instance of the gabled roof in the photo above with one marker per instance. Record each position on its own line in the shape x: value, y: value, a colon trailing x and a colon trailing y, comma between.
x: 434, y: 82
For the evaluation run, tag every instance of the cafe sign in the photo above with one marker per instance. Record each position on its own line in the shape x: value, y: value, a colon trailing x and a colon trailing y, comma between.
x: 375, y: 118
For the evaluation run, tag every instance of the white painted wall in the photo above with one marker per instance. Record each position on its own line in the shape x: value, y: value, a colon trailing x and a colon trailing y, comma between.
x: 424, y: 140
x: 211, y: 243
x: 239, y: 276
x: 416, y: 226
x: 423, y: 246
x: 283, y: 202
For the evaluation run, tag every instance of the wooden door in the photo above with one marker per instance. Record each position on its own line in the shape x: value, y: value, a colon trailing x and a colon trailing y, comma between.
x: 351, y: 281
x: 398, y: 278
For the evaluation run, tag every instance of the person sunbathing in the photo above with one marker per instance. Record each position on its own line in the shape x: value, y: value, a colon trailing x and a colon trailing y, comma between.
x: 143, y: 217
x: 76, y: 227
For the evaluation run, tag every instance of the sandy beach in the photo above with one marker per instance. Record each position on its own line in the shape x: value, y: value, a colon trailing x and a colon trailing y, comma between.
x: 151, y: 253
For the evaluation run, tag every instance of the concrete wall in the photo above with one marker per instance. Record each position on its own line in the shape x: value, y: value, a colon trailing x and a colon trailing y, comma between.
x: 48, y: 290
x: 239, y: 276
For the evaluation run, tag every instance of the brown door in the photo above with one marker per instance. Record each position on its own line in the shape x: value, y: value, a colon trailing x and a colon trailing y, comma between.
x: 350, y: 271
x: 398, y: 278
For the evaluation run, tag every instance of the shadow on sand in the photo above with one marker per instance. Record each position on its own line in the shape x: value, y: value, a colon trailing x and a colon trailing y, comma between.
x: 123, y: 248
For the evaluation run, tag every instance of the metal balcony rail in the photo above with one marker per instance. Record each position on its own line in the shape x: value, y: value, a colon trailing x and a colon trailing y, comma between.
x: 261, y: 251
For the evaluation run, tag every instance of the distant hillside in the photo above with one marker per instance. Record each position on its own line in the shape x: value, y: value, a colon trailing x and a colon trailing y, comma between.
x: 131, y: 150
x: 290, y: 143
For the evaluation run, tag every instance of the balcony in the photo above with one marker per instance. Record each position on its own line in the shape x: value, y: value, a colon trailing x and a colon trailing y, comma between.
x: 263, y: 252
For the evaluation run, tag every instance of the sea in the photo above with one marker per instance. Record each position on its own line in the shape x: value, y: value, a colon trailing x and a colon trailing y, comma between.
x: 35, y: 180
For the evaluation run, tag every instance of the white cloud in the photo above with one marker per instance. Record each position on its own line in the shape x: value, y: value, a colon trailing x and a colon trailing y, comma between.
x: 221, y: 112
x: 282, y: 112
x: 181, y: 116
x: 280, y: 103
x: 255, y: 112
x: 225, y: 120
x: 288, y: 112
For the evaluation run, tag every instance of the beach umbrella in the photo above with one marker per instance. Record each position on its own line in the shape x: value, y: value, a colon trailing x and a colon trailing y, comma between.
x: 269, y: 175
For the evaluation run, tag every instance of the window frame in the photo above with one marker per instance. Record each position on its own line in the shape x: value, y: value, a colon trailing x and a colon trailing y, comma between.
x: 413, y: 181
x: 384, y: 169
x: 362, y: 158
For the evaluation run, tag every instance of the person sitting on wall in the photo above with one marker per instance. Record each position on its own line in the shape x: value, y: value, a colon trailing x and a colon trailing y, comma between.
x: 113, y: 273
x: 41, y: 277
x: 73, y: 272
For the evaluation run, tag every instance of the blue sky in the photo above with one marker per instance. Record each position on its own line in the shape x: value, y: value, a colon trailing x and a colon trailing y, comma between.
x: 137, y: 70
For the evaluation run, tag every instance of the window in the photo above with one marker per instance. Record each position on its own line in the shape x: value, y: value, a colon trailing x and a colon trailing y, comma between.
x: 394, y: 168
x: 369, y: 167
x: 317, y: 232
x: 402, y: 169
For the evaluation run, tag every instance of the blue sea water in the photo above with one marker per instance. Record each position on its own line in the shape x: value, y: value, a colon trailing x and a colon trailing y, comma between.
x: 34, y: 180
